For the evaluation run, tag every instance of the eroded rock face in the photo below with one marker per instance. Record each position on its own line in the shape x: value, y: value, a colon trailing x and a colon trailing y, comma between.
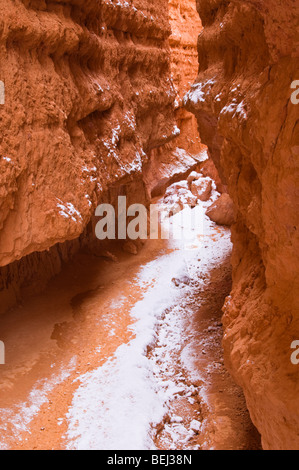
x: 222, y: 211
x: 248, y: 55
x: 88, y: 96
x: 185, y: 27
x: 210, y: 170
x: 171, y: 162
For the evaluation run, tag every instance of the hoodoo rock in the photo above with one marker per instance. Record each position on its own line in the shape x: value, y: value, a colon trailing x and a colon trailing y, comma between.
x: 248, y: 59
x: 88, y: 95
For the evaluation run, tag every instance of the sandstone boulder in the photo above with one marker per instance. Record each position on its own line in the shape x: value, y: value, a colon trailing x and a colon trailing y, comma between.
x: 176, y: 187
x: 178, y: 196
x: 202, y: 188
x: 222, y: 211
x: 192, y: 177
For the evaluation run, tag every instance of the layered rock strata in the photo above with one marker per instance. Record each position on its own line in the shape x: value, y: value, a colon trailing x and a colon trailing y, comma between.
x: 171, y: 163
x: 185, y: 27
x: 248, y: 56
x: 88, y: 97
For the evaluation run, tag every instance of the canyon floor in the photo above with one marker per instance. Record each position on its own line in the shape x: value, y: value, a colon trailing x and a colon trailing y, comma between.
x: 126, y: 354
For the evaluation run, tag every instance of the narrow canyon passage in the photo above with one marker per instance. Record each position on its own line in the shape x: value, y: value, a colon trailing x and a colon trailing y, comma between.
x: 126, y: 354
x: 119, y: 341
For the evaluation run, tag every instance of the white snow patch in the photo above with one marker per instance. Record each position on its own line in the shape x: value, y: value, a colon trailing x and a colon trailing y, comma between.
x: 117, y: 405
x: 235, y: 109
x: 21, y: 415
x: 68, y: 211
x: 199, y: 92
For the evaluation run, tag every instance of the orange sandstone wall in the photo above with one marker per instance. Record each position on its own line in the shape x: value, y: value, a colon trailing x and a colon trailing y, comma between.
x: 171, y: 162
x: 88, y: 96
x: 185, y: 27
x: 248, y: 56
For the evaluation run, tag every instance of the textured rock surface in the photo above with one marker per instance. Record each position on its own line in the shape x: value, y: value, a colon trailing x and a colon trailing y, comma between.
x: 209, y: 169
x: 222, y: 211
x: 248, y: 55
x: 202, y: 188
x: 171, y: 162
x: 178, y: 196
x: 88, y: 96
x: 185, y: 26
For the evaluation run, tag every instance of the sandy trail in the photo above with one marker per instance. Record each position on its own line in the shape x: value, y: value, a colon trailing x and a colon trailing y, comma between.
x: 126, y: 355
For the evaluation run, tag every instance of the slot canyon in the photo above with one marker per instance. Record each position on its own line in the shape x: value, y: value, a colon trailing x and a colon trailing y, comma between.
x: 184, y: 337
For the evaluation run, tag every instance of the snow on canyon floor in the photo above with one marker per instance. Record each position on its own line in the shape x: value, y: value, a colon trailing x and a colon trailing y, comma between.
x: 127, y: 355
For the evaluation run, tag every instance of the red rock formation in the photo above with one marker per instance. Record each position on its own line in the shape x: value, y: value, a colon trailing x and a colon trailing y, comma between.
x: 210, y: 170
x: 222, y: 211
x: 248, y: 55
x: 202, y: 188
x: 185, y: 27
x: 88, y: 98
x: 173, y: 161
